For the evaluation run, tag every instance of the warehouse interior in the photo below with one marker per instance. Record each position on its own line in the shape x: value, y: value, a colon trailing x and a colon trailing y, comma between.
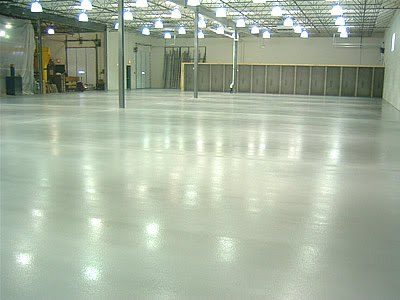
x: 200, y: 149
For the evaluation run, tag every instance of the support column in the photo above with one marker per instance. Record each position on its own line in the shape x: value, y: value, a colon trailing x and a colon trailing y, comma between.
x: 40, y: 55
x: 121, y: 55
x: 105, y: 74
x: 196, y: 54
x: 234, y: 87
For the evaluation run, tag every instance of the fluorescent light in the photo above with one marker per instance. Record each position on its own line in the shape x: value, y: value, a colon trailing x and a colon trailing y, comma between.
x: 340, y: 21
x: 181, y: 30
x: 193, y: 2
x: 266, y: 34
x: 50, y: 31
x: 8, y: 26
x: 2, y: 33
x: 220, y: 30
x: 337, y: 10
x: 116, y: 25
x: 297, y: 29
x: 342, y: 28
x: 141, y: 3
x: 83, y: 17
x: 167, y: 35
x: 176, y: 13
x: 259, y: 1
x: 36, y: 7
x: 128, y: 15
x: 393, y: 42
x: 158, y: 24
x: 200, y: 34
x: 146, y: 30
x: 86, y: 5
x: 276, y: 11
x: 241, y: 23
x: 288, y: 22
x: 304, y: 34
x: 344, y: 35
x: 255, y: 29
x: 220, y: 12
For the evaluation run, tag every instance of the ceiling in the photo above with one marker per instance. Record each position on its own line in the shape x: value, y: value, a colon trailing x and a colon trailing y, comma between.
x: 364, y: 17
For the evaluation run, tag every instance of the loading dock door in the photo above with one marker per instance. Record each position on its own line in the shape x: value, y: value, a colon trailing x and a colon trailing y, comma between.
x: 143, y: 73
x: 82, y: 63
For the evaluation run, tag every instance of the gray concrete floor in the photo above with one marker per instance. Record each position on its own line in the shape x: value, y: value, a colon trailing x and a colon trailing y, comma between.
x: 244, y: 196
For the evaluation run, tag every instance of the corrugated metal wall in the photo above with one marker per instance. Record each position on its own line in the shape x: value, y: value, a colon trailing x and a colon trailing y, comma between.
x: 360, y: 81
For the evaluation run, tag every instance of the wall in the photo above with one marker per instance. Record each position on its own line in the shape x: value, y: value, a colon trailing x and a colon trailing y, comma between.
x: 133, y: 40
x: 56, y: 43
x: 292, y: 50
x: 391, y: 88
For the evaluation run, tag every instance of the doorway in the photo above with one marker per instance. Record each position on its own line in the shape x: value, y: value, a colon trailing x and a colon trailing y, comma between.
x: 143, y: 67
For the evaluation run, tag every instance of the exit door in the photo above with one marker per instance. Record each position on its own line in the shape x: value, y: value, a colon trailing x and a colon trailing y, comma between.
x: 128, y: 77
x: 143, y: 74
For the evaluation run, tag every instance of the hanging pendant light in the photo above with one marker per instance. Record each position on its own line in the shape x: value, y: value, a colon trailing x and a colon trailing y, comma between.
x: 200, y: 34
x: 337, y: 10
x: 220, y: 12
x: 255, y: 29
x: 158, y: 24
x: 146, y: 30
x: 116, y: 25
x: 181, y: 30
x: 276, y: 11
x: 241, y: 23
x: 266, y: 34
x: 176, y: 13
x: 141, y: 3
x: 86, y: 5
x: 288, y: 22
x: 193, y: 2
x: 128, y: 16
x: 297, y: 29
x: 50, y: 30
x: 83, y: 17
x: 202, y: 22
x: 167, y: 35
x: 36, y: 7
x: 344, y: 35
x: 340, y: 21
x: 304, y: 34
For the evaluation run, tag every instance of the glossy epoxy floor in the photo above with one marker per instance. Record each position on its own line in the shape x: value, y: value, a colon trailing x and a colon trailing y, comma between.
x: 237, y: 197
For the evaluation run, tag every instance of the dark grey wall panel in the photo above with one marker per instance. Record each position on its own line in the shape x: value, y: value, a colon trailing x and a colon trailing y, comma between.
x: 188, y: 77
x: 273, y: 79
x: 287, y: 85
x: 244, y: 83
x: 333, y: 81
x: 302, y: 80
x: 228, y: 77
x: 364, y: 84
x: 317, y: 80
x: 204, y: 78
x: 217, y: 78
x: 258, y: 79
x: 349, y: 81
x: 378, y: 82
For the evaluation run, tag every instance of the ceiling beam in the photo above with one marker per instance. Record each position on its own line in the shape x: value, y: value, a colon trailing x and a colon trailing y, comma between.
x: 24, y: 13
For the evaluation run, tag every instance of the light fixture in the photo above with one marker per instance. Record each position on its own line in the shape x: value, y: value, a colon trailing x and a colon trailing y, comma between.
x: 276, y: 11
x: 86, y: 5
x: 181, y: 30
x: 340, y: 21
x: 241, y: 23
x: 259, y: 1
x: 116, y: 25
x: 220, y: 30
x: 50, y: 31
x: 233, y: 36
x: 304, y: 34
x: 288, y: 22
x: 193, y: 2
x: 255, y: 29
x: 128, y: 16
x: 337, y: 10
x: 297, y: 29
x: 202, y: 23
x: 83, y: 17
x: 8, y: 26
x: 342, y: 28
x: 141, y: 3
x: 200, y: 34
x: 36, y: 7
x: 176, y: 13
x: 167, y: 35
x: 2, y: 33
x: 220, y: 12
x: 146, y: 30
x: 344, y: 35
x: 158, y: 24
x: 266, y: 34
